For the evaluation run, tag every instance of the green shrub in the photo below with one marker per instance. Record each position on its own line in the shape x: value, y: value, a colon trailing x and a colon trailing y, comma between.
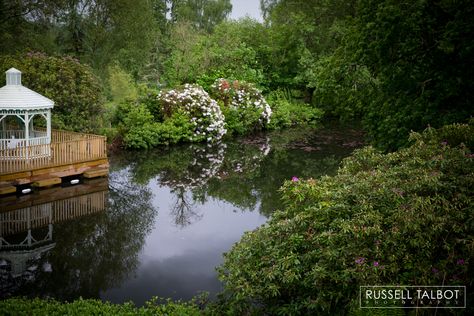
x: 72, y: 86
x: 400, y: 218
x: 241, y: 121
x: 244, y: 107
x: 175, y: 129
x: 110, y: 132
x: 20, y: 306
x: 287, y: 113
x: 121, y: 84
x: 139, y: 129
x: 169, y: 117
x: 150, y: 98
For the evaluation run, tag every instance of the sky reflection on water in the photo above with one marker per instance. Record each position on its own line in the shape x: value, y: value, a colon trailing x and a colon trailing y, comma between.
x: 160, y: 225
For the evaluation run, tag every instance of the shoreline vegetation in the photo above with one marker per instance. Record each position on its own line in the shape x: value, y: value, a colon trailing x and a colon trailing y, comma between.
x: 150, y: 73
x: 419, y: 197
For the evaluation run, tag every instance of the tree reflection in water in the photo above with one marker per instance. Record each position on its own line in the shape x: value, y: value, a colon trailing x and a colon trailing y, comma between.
x: 246, y: 173
x: 95, y: 253
x: 183, y: 210
x: 91, y: 253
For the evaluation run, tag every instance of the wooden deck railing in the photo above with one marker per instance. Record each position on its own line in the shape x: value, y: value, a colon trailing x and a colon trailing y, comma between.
x: 65, y: 148
x: 37, y: 216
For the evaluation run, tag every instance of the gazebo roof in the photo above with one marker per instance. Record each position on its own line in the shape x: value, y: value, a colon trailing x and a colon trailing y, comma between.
x: 14, y: 96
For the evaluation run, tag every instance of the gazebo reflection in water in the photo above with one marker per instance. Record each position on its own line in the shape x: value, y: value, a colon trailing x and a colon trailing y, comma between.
x: 26, y: 224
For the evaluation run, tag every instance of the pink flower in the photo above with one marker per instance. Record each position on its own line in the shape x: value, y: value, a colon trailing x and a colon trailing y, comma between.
x: 461, y: 262
x: 360, y: 260
x: 376, y: 263
x: 294, y: 179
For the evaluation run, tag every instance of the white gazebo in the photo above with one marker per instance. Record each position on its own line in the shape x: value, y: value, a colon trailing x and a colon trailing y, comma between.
x: 18, y: 108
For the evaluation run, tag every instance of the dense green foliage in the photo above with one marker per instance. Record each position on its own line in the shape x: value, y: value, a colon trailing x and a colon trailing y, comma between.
x: 170, y: 117
x: 399, y: 218
x: 244, y: 107
x: 421, y: 53
x: 399, y: 66
x: 190, y: 114
x: 96, y: 32
x: 395, y: 65
x: 19, y: 306
x: 71, y: 85
x: 289, y: 113
x: 225, y: 53
x: 203, y: 15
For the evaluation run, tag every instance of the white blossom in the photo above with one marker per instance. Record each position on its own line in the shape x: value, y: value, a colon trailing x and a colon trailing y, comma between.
x: 205, y: 114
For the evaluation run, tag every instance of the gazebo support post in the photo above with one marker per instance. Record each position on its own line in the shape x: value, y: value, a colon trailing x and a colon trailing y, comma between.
x: 48, y: 126
x: 4, y: 125
x: 27, y: 134
x: 32, y: 130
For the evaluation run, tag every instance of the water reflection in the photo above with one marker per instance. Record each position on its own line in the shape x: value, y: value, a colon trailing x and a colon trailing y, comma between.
x: 209, y: 195
x: 159, y: 226
x: 246, y: 173
x: 71, y: 242
x: 184, y: 208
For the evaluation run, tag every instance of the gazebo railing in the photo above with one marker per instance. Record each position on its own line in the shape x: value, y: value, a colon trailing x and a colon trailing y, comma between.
x: 12, y: 134
x: 65, y: 148
x: 16, y: 138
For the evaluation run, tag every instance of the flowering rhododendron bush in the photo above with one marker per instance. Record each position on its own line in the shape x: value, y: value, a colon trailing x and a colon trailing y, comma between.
x: 203, y: 112
x: 244, y: 106
x: 400, y: 218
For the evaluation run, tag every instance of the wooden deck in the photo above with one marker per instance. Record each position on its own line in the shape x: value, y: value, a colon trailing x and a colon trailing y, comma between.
x: 40, y: 210
x: 68, y: 154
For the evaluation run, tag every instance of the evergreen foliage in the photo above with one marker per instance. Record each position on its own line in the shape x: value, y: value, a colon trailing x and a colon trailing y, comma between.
x: 399, y: 218
x: 73, y: 87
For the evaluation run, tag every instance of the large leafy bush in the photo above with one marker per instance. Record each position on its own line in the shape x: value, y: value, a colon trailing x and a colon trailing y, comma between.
x: 140, y: 130
x: 170, y: 117
x: 71, y: 85
x: 400, y: 218
x: 203, y: 113
x: 287, y: 112
x: 245, y: 108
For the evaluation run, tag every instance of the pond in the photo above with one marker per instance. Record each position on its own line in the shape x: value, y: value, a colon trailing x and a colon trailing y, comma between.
x: 161, y: 222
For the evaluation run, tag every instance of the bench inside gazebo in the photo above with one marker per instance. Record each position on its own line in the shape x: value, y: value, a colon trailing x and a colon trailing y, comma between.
x: 31, y: 152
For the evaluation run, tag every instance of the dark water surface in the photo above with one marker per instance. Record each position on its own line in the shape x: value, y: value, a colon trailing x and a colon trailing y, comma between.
x: 161, y: 222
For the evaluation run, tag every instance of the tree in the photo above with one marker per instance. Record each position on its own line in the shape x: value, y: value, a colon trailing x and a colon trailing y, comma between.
x: 400, y: 66
x: 296, y: 28
x: 71, y: 85
x: 202, y: 14
x: 121, y: 31
x: 27, y: 24
x: 97, y: 32
x: 421, y: 53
